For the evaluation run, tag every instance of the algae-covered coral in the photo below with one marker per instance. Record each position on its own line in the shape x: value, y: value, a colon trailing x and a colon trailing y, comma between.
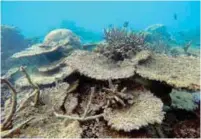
x: 117, y: 90
x: 183, y: 100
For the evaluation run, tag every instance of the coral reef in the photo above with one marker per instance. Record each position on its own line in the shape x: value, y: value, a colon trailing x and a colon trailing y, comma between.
x: 120, y: 44
x: 180, y: 72
x: 147, y: 109
x: 120, y: 90
x: 183, y: 100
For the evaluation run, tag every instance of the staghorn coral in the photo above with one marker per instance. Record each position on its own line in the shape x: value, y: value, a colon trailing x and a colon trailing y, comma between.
x: 36, y: 88
x: 121, y: 44
x: 180, y: 72
x: 98, y: 67
x: 6, y: 126
x: 114, y: 96
x: 183, y: 100
x: 147, y: 109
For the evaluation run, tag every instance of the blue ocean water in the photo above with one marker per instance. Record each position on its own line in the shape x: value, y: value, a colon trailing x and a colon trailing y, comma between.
x: 38, y: 18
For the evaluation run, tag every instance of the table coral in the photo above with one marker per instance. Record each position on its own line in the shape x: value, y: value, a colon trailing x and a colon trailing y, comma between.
x: 180, y: 72
x: 147, y: 109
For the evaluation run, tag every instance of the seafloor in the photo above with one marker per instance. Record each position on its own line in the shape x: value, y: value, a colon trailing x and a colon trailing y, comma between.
x: 129, y: 85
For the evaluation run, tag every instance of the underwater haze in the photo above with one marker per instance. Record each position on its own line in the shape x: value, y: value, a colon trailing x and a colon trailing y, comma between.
x: 39, y: 17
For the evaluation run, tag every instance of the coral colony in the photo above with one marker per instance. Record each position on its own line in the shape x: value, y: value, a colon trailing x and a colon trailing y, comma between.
x: 123, y: 88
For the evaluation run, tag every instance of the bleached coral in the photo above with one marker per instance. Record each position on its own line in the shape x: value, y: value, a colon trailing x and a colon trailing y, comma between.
x: 180, y: 72
x: 45, y: 79
x: 73, y: 130
x: 98, y: 67
x: 183, y: 100
x: 56, y: 40
x: 147, y: 109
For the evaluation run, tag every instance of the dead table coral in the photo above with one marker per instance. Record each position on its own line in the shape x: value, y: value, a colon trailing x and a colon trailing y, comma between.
x: 46, y: 75
x: 98, y: 67
x: 57, y: 39
x: 147, y: 109
x: 180, y: 72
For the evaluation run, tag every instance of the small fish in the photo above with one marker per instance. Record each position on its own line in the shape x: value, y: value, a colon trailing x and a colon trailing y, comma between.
x: 125, y: 24
x: 175, y: 16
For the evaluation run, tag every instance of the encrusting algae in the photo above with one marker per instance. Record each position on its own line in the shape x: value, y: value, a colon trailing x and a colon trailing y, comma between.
x: 96, y: 93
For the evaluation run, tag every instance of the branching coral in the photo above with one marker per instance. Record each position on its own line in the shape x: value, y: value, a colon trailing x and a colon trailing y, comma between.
x: 114, y: 96
x: 5, y: 127
x: 147, y: 109
x: 121, y: 44
x: 8, y: 119
x: 183, y: 100
x: 36, y: 92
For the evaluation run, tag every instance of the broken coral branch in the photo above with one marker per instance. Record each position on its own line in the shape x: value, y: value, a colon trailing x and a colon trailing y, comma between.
x: 8, y: 133
x: 115, y: 96
x: 8, y: 119
x: 89, y: 102
x: 24, y: 102
x: 84, y: 117
x: 35, y: 86
x: 78, y: 118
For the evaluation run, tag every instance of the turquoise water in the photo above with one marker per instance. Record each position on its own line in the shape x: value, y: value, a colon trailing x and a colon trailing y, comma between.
x: 38, y: 18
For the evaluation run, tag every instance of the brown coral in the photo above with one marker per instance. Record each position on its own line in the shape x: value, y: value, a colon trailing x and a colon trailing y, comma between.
x: 187, y: 129
x: 180, y: 72
x: 121, y: 44
x: 114, y: 96
x: 147, y: 109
